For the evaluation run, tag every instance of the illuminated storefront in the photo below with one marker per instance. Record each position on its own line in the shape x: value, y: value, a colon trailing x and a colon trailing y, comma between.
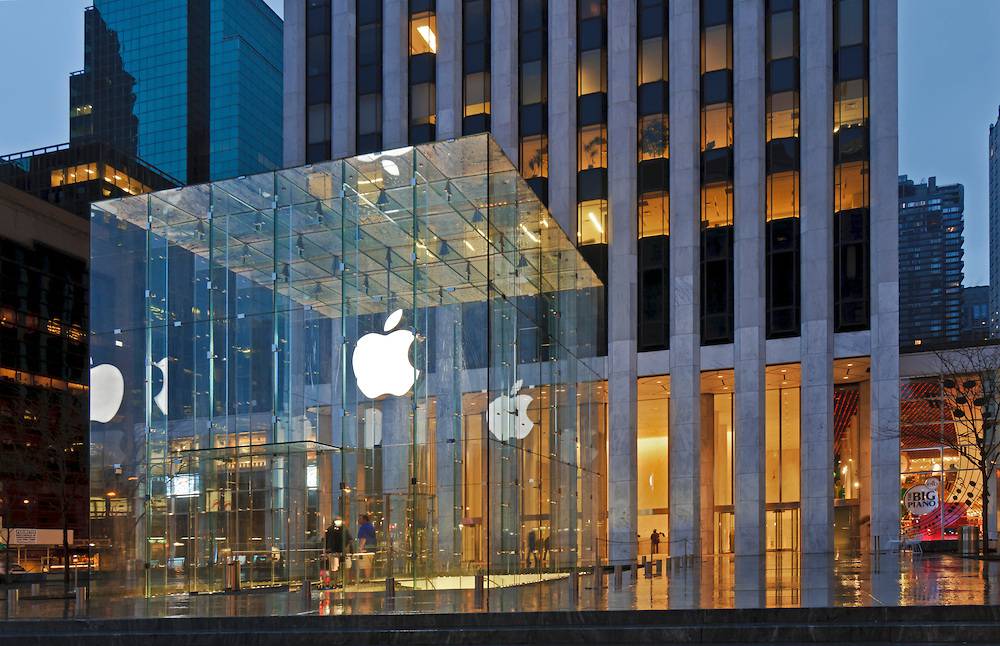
x: 403, y: 335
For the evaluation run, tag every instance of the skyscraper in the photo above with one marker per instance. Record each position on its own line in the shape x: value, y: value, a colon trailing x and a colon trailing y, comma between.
x: 931, y: 224
x: 994, y: 153
x: 190, y: 86
x: 975, y: 314
x: 729, y: 169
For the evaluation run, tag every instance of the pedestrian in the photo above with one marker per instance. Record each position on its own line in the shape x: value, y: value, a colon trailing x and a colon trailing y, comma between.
x: 338, y: 543
x: 654, y: 542
x: 367, y: 542
x: 532, y: 549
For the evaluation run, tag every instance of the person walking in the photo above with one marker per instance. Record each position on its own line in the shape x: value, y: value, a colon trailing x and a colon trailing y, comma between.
x: 338, y: 542
x: 367, y: 543
x: 654, y: 542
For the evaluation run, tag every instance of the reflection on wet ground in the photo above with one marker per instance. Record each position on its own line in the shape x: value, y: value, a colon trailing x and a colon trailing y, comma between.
x: 780, y: 580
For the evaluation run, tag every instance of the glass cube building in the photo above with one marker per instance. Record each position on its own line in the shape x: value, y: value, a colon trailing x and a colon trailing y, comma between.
x: 404, y: 335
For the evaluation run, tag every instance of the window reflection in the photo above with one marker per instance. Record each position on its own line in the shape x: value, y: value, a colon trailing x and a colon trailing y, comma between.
x: 535, y: 156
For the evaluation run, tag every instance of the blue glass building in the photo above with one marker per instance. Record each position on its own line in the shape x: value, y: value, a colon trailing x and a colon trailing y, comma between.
x: 190, y: 86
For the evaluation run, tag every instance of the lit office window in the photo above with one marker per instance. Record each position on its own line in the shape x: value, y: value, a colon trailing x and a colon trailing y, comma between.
x: 851, y: 164
x: 476, y: 66
x: 782, y: 198
x: 716, y: 171
x: 533, y: 94
x: 422, y: 73
x: 653, y: 176
x: 592, y: 134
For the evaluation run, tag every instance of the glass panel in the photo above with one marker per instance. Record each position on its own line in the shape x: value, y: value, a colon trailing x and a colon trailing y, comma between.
x: 374, y: 368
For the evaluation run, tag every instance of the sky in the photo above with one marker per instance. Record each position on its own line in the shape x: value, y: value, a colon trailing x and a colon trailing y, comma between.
x: 949, y: 92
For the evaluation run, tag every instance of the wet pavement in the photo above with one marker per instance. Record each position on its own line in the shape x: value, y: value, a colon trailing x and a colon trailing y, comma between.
x: 779, y: 580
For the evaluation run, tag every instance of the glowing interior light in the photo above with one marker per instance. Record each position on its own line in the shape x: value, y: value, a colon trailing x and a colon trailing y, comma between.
x: 429, y: 37
x: 390, y: 167
x: 469, y: 245
x: 595, y: 222
x: 531, y: 235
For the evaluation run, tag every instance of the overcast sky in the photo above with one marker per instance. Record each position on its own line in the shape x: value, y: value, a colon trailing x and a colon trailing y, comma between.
x: 949, y: 92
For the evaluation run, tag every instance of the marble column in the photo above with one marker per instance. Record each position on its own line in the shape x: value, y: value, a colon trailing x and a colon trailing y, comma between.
x: 504, y: 76
x: 750, y: 262
x: 294, y: 96
x: 395, y: 61
x: 448, y: 70
x: 562, y: 114
x: 816, y: 150
x: 685, y: 249
x: 622, y: 290
x: 343, y: 72
x: 884, y: 295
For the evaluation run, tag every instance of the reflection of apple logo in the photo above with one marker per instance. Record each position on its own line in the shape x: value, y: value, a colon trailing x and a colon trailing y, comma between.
x: 160, y: 398
x: 507, y: 416
x: 382, y: 361
x: 107, y: 389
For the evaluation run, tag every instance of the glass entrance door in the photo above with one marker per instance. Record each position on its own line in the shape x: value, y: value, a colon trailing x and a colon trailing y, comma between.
x: 783, y: 527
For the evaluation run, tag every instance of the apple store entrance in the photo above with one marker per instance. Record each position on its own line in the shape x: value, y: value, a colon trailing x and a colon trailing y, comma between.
x: 363, y: 373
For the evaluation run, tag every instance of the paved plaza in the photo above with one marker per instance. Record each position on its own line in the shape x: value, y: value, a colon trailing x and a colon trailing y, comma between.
x: 789, y: 581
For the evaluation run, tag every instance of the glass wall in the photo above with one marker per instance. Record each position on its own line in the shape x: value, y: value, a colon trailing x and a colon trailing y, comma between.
x: 782, y: 433
x: 475, y: 66
x: 533, y: 19
x: 422, y: 71
x: 333, y: 350
x: 716, y: 171
x: 654, y: 177
x: 938, y: 458
x: 369, y: 76
x: 592, y: 132
x: 652, y: 478
x: 318, y: 80
x: 782, y: 133
x: 851, y: 163
x: 851, y: 442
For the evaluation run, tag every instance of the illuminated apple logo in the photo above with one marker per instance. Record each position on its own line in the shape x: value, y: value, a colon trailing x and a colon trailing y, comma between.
x: 382, y: 361
x: 507, y: 417
x: 107, y: 389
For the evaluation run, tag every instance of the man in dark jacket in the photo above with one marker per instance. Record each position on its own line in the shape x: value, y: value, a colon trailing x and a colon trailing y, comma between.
x: 338, y: 543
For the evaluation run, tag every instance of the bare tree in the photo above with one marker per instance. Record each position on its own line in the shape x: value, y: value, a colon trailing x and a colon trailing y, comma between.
x: 970, y: 399
x: 53, y: 461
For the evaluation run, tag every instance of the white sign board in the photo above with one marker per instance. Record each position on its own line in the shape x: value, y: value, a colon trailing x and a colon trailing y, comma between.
x: 26, y: 536
x: 922, y: 499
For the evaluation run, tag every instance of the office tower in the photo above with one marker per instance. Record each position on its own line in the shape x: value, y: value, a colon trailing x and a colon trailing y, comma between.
x: 44, y: 255
x: 994, y: 156
x: 760, y: 335
x: 931, y: 226
x: 72, y: 176
x: 975, y: 314
x: 192, y: 87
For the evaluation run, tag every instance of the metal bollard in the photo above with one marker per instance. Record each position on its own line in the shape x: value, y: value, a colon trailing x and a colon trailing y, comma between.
x: 12, y: 600
x: 643, y: 560
x: 307, y: 594
x: 390, y: 592
x: 598, y: 580
x: 618, y: 576
x: 659, y: 567
x: 36, y: 589
x: 81, y: 601
x: 648, y: 569
x: 479, y: 596
x: 574, y: 587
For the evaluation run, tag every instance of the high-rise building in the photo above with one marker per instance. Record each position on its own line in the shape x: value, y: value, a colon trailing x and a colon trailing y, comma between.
x: 72, y: 176
x: 931, y: 226
x: 190, y: 86
x: 994, y: 153
x: 729, y: 170
x: 975, y: 314
x: 44, y: 255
